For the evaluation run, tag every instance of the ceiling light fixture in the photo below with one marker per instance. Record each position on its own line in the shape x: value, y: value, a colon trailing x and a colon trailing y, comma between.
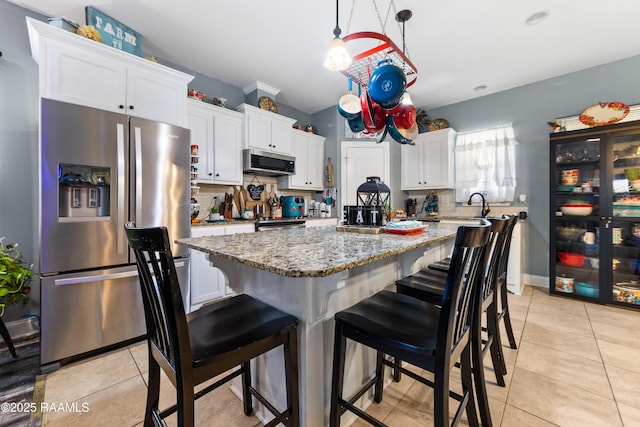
x: 338, y: 58
x: 537, y: 18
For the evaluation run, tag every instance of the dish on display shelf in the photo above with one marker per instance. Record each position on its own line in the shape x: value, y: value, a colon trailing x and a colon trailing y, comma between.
x: 604, y: 113
x: 577, y: 209
x: 268, y: 104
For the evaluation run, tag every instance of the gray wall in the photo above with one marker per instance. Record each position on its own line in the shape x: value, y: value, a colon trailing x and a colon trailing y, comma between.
x: 529, y: 108
x: 18, y: 141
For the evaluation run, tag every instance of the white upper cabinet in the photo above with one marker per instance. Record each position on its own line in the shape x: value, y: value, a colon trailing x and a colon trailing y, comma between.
x: 265, y: 130
x: 430, y: 163
x: 308, y: 149
x: 218, y: 134
x: 80, y: 71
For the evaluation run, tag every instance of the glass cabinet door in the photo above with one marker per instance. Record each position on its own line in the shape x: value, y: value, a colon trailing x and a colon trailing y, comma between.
x: 576, y: 201
x: 625, y: 224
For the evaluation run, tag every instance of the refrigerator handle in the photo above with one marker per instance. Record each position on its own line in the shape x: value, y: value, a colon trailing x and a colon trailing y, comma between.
x: 102, y: 277
x: 120, y: 203
x: 138, y: 153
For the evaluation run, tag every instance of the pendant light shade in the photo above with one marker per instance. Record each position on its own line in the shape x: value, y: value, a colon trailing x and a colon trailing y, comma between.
x: 338, y: 58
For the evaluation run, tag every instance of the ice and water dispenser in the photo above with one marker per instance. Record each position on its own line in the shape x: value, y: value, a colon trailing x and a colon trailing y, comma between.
x: 84, y: 192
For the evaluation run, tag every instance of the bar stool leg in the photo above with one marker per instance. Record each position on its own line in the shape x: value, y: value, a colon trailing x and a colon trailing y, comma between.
x: 337, y: 380
x: 7, y: 338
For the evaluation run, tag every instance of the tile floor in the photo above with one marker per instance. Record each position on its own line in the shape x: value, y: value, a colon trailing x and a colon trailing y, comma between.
x: 576, y: 365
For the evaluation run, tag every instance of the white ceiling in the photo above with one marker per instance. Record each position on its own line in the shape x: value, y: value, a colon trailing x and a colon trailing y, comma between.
x: 455, y: 45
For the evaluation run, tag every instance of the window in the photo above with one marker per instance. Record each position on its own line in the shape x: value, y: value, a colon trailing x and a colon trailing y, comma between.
x: 486, y: 163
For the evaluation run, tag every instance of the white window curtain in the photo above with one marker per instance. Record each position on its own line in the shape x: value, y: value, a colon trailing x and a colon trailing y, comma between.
x: 486, y: 163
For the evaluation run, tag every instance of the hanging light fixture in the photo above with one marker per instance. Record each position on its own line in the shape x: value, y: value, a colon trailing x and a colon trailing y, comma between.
x: 338, y: 58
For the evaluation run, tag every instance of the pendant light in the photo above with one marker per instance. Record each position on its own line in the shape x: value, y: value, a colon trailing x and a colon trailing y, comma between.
x: 338, y: 58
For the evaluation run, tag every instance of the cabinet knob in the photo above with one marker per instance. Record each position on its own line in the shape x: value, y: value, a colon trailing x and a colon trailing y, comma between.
x: 130, y: 107
x: 217, y: 174
x: 121, y: 106
x: 210, y: 174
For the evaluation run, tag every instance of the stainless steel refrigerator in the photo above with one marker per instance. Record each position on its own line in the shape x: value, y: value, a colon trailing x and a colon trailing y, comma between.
x: 98, y: 171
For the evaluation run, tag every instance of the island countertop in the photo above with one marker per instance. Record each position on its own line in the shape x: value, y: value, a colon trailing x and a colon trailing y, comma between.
x: 314, y: 251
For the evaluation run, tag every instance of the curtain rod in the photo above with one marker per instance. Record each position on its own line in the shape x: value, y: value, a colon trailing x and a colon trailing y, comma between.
x: 486, y: 129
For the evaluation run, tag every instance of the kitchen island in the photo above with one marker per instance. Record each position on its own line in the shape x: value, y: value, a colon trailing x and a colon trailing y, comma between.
x: 312, y: 273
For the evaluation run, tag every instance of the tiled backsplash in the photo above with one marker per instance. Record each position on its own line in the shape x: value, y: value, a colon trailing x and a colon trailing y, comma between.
x: 208, y: 192
x: 447, y: 205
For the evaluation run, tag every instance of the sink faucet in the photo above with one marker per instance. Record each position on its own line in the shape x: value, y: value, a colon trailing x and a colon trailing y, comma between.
x: 485, y: 205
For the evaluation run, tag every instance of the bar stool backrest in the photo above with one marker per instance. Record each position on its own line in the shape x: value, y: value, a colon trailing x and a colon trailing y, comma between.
x: 502, y: 269
x: 163, y: 307
x: 495, y: 253
x: 468, y: 262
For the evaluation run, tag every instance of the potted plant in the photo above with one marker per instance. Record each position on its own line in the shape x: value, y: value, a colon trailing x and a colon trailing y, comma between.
x: 15, y: 275
x: 214, y: 214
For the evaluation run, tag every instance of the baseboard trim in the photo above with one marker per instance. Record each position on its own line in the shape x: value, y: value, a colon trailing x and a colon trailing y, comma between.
x: 539, y: 281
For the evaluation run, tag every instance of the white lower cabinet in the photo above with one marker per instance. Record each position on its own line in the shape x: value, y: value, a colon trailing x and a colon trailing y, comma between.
x: 320, y: 222
x: 429, y: 164
x: 207, y: 282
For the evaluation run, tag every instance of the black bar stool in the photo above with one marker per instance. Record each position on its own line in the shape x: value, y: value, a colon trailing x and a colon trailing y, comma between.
x: 193, y: 348
x: 422, y: 334
x: 428, y: 285
x: 501, y: 287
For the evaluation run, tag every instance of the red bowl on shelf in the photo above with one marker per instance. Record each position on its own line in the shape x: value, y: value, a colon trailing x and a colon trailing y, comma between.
x: 571, y: 260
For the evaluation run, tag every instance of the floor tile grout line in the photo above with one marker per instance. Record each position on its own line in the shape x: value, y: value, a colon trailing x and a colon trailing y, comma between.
x: 606, y: 371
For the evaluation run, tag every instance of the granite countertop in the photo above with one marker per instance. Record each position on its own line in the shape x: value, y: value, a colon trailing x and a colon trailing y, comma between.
x: 314, y: 251
x: 236, y: 221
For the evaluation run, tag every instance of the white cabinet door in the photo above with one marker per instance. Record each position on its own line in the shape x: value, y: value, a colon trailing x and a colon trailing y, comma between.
x: 430, y: 163
x: 308, y: 149
x: 218, y: 134
x: 299, y: 150
x: 200, y: 122
x: 80, y: 71
x: 320, y: 222
x: 227, y: 148
x: 258, y: 132
x: 207, y: 282
x: 411, y: 159
x: 315, y: 165
x: 154, y: 96
x: 266, y: 131
x: 281, y: 137
x: 83, y: 78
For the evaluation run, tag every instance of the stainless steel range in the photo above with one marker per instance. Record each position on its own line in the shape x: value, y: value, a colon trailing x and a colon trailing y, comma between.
x: 275, y: 224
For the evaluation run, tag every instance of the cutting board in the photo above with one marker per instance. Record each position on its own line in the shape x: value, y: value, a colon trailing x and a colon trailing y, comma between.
x: 362, y: 230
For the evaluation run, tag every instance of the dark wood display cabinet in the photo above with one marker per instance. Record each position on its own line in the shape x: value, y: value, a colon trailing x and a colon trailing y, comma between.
x: 595, y: 214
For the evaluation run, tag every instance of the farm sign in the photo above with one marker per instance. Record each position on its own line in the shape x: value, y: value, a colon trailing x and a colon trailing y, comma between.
x: 113, y: 32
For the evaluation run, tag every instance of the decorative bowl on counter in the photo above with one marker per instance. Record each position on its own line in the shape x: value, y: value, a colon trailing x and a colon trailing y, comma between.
x: 571, y: 259
x: 578, y: 210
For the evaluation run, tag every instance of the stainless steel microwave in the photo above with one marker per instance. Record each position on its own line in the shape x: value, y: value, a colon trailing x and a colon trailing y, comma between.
x: 266, y: 163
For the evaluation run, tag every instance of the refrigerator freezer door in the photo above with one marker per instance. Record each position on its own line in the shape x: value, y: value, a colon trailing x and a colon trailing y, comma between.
x: 91, y: 310
x: 83, y: 153
x: 159, y: 178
